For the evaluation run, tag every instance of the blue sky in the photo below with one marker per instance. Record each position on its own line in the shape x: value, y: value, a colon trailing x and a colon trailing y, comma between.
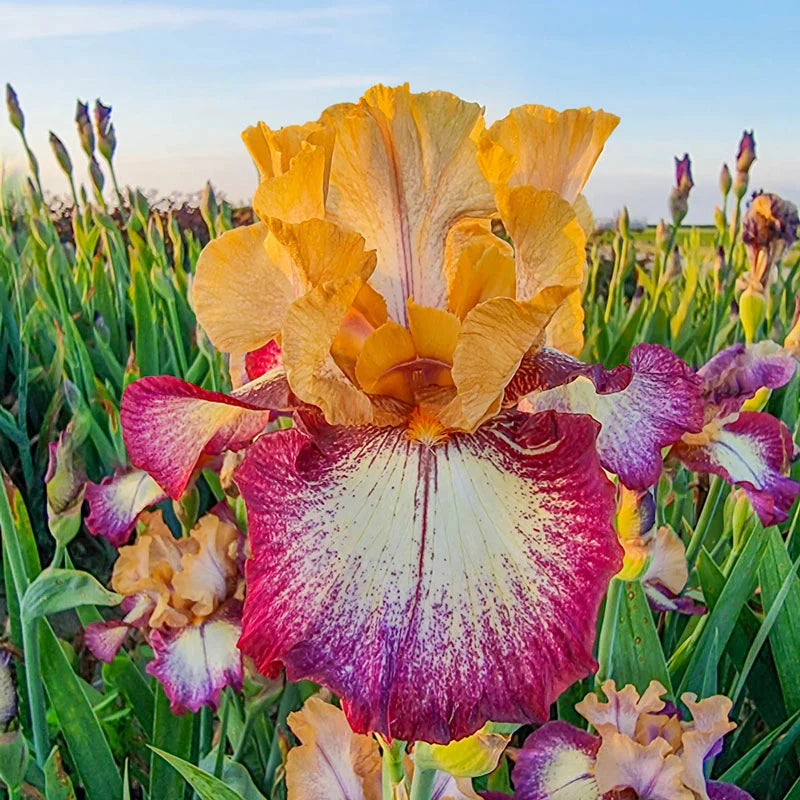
x: 185, y: 78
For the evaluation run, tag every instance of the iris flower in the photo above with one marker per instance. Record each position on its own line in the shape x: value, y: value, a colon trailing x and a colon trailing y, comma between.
x: 185, y: 596
x: 643, y: 749
x: 421, y: 546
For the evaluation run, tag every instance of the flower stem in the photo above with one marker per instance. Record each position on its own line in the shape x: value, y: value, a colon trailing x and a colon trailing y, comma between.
x: 704, y: 522
x: 422, y: 784
x: 608, y: 631
x: 288, y: 700
x: 392, y: 773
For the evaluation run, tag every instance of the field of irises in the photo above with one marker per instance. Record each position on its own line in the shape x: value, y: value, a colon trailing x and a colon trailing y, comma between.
x: 418, y: 486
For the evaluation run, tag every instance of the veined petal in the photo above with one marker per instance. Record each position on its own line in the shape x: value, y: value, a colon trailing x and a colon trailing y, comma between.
x: 168, y: 424
x: 653, y: 771
x: 494, y: 337
x: 702, y: 737
x: 363, y: 579
x: 557, y: 763
x: 117, y: 501
x: 752, y: 452
x: 466, y: 758
x: 735, y: 375
x: 565, y: 329
x: 273, y: 150
x: 259, y: 362
x: 298, y: 193
x: 240, y: 294
x: 403, y: 171
x: 104, y: 639
x: 548, y: 240
x: 478, y: 266
x: 623, y: 709
x: 311, y: 327
x: 332, y: 761
x: 661, y: 402
x: 546, y: 148
x: 195, y: 663
x: 667, y: 561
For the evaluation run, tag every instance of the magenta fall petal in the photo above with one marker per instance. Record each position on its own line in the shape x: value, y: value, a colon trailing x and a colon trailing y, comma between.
x: 431, y: 588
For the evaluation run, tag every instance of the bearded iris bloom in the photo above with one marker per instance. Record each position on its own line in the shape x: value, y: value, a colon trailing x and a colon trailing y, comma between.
x: 185, y: 596
x: 643, y: 749
x: 422, y: 544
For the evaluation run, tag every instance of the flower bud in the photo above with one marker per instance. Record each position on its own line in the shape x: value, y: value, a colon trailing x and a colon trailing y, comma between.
x: 624, y: 223
x: 792, y: 341
x: 747, y: 152
x: 740, y: 518
x: 661, y: 233
x: 683, y: 173
x: 725, y: 180
x: 15, y: 115
x: 61, y: 154
x: 85, y: 132
x: 66, y: 482
x: 106, y: 137
x: 719, y: 269
x: 678, y: 205
x: 752, y: 311
x: 97, y: 175
x: 740, y: 183
x: 208, y: 207
x: 719, y: 219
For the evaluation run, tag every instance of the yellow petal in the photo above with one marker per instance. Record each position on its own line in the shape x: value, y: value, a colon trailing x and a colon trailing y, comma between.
x: 584, y: 214
x: 367, y: 313
x: 434, y: 332
x: 240, y: 294
x: 388, y: 347
x: 546, y: 148
x: 297, y: 194
x: 565, y: 329
x: 310, y: 326
x: 548, y: 241
x: 478, y: 266
x: 494, y: 337
x: 321, y: 251
x: 332, y: 761
x: 403, y: 171
x: 273, y: 150
x: 466, y: 758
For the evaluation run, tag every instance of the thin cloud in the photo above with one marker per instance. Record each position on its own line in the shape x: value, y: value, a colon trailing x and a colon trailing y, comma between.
x: 20, y: 21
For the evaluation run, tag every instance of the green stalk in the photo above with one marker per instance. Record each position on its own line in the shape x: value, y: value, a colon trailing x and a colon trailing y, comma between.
x: 223, y: 735
x: 30, y: 635
x: 250, y: 718
x: 422, y: 784
x: 704, y: 522
x: 288, y: 700
x: 608, y: 631
x: 392, y: 772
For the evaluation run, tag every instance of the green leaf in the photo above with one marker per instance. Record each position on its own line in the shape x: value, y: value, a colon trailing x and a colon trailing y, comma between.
x: 13, y: 759
x: 174, y: 734
x: 638, y: 657
x: 234, y: 775
x: 79, y: 725
x: 57, y: 590
x: 57, y: 784
x: 206, y: 785
x: 721, y: 621
x: 784, y: 638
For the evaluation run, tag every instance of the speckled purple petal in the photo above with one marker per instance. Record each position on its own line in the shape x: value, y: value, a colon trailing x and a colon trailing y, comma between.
x: 116, y: 502
x: 659, y: 403
x: 556, y: 761
x: 726, y: 791
x: 194, y: 664
x: 104, y: 639
x: 735, y: 374
x: 753, y: 452
x: 431, y: 588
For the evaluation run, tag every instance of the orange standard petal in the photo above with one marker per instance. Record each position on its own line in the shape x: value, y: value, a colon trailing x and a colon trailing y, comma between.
x: 403, y: 171
x: 539, y: 146
x: 240, y: 293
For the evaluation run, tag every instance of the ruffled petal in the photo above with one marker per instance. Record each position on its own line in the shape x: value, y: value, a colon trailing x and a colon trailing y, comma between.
x: 549, y: 244
x: 661, y: 402
x: 169, y: 424
x: 240, y: 294
x: 261, y: 361
x: 557, y: 761
x: 298, y: 193
x: 364, y: 579
x: 565, y: 329
x: 623, y: 709
x: 104, y: 639
x: 651, y: 770
x: 117, y: 501
x: 494, y: 337
x: 539, y: 146
x: 332, y: 761
x: 466, y: 758
x: 403, y: 171
x: 735, y: 375
x: 752, y: 452
x: 195, y: 663
x: 702, y: 738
